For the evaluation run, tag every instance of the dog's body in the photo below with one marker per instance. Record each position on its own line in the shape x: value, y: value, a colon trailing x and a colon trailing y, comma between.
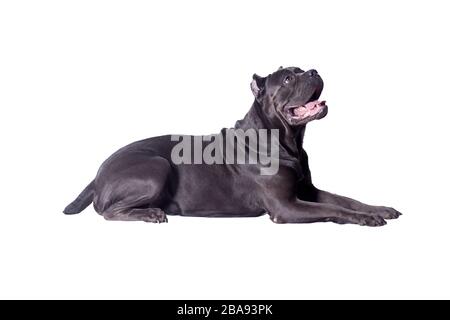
x: 141, y: 182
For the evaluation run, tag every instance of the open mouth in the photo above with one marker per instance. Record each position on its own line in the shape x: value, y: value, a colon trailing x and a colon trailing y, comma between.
x: 302, y: 113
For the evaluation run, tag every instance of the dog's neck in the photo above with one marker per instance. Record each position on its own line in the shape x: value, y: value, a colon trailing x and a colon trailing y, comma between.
x: 300, y: 133
x: 253, y: 119
x: 291, y: 138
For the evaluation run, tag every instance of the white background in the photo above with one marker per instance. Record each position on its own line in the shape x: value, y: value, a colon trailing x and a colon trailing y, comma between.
x: 79, y: 79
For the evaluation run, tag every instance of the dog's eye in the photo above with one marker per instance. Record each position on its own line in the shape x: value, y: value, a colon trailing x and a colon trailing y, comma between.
x: 288, y: 79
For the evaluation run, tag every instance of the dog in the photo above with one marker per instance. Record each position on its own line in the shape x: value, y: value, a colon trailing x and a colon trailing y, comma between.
x: 145, y: 182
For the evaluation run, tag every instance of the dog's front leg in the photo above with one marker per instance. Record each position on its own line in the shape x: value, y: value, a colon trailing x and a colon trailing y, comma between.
x: 334, y: 199
x: 297, y: 211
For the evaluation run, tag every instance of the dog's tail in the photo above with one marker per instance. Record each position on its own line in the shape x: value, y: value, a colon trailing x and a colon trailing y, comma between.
x: 82, y: 201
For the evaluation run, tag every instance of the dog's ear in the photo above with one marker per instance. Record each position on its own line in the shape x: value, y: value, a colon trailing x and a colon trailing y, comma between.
x: 257, y: 85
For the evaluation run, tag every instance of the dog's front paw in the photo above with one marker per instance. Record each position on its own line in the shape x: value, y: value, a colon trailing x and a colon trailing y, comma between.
x: 371, y: 221
x: 386, y: 212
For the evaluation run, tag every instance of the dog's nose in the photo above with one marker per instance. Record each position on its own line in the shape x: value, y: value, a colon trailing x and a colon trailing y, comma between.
x: 313, y: 72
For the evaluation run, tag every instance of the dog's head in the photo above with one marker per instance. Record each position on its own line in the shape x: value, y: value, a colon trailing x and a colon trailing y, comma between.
x: 290, y: 94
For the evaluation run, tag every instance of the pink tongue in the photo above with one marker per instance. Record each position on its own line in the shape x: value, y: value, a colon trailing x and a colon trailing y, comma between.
x: 309, y: 109
x: 312, y: 104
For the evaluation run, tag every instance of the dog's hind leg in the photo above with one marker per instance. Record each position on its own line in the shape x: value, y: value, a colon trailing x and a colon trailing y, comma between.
x: 134, y: 192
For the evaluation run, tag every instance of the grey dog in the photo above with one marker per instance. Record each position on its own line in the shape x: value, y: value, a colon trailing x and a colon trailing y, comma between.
x: 141, y: 182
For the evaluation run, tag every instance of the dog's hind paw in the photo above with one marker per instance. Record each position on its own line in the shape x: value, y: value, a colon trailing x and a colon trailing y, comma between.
x: 158, y: 216
x: 153, y: 215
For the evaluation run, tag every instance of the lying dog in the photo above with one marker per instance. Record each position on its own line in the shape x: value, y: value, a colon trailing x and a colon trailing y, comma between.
x: 148, y: 179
